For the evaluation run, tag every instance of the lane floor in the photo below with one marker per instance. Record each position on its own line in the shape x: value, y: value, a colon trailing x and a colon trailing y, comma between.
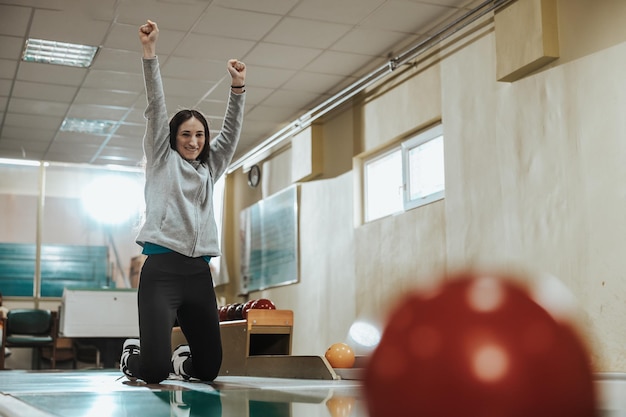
x: 101, y: 393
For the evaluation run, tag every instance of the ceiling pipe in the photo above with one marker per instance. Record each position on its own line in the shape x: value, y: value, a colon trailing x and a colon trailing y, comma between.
x: 263, y: 149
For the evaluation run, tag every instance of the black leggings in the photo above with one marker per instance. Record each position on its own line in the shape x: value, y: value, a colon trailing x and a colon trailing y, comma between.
x: 173, y: 286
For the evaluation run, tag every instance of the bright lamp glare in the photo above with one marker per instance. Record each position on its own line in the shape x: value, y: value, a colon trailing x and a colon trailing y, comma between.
x: 113, y: 199
x: 363, y: 337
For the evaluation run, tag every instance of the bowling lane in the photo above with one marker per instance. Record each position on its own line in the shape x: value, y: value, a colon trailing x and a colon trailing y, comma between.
x: 102, y: 394
x: 89, y: 393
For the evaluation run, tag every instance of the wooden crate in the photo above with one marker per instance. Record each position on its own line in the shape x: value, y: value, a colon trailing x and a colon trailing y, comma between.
x: 261, y: 346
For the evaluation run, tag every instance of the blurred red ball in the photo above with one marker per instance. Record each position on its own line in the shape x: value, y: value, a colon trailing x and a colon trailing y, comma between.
x: 263, y: 303
x: 478, y: 346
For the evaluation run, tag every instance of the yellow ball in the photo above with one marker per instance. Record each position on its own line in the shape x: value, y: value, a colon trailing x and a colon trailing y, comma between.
x: 340, y: 355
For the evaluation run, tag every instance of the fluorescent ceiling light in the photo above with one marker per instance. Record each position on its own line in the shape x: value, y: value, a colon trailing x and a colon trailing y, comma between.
x: 24, y: 162
x: 60, y: 53
x: 96, y: 127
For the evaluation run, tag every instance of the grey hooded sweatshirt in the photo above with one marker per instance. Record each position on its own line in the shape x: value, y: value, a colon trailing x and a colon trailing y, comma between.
x: 179, y: 193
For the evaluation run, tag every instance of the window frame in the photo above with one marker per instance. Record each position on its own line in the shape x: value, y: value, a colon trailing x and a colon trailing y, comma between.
x: 408, y: 145
x: 404, y: 147
x: 377, y: 157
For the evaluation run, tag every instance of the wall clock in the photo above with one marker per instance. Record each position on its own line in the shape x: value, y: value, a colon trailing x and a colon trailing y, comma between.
x: 254, y: 176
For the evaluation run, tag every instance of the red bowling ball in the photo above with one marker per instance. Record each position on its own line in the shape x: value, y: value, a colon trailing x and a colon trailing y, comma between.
x: 478, y: 346
x: 247, y: 306
x: 223, y: 313
x: 231, y: 312
x: 263, y: 303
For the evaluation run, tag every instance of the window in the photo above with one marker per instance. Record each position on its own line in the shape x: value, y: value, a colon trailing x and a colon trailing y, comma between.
x: 423, y: 168
x: 405, y: 177
x: 49, y: 237
x: 383, y: 185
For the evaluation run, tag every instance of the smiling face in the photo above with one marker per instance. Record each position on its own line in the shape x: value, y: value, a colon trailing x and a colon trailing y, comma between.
x: 190, y: 139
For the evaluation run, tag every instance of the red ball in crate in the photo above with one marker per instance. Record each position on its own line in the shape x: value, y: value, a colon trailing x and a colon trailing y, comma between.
x: 231, y: 312
x: 481, y: 346
x: 239, y: 312
x: 263, y: 303
x: 223, y: 313
x: 247, y: 306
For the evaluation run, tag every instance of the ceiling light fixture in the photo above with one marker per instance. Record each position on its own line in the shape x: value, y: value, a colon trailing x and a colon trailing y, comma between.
x: 23, y: 162
x: 96, y: 127
x: 59, y: 53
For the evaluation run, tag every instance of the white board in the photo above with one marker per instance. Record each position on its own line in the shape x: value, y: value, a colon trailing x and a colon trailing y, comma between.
x: 99, y: 313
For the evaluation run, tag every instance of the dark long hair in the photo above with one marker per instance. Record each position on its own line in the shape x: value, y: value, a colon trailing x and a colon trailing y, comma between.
x: 181, y: 117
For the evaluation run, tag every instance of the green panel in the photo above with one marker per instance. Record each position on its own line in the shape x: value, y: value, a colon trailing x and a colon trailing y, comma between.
x: 62, y: 266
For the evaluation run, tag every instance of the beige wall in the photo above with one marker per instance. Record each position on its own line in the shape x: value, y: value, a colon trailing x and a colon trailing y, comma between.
x: 534, y: 184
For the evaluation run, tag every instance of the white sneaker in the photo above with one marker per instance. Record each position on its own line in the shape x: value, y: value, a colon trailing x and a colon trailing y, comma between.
x: 180, y: 355
x: 131, y: 347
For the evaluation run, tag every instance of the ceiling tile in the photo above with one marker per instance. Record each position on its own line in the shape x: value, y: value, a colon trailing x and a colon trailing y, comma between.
x: 339, y: 63
x: 14, y: 148
x: 192, y: 91
x: 255, y: 94
x: 315, y: 82
x: 119, y: 156
x: 78, y: 152
x: 105, y: 97
x: 113, y: 80
x: 200, y: 46
x: 31, y: 134
x: 126, y: 131
x: 344, y: 11
x: 30, y: 120
x: 167, y: 15
x: 263, y: 77
x: 177, y: 103
x: 307, y: 33
x: 282, y: 56
x: 274, y: 114
x: 14, y: 20
x: 5, y: 87
x: 370, y: 41
x: 28, y: 106
x: 280, y: 7
x: 237, y: 24
x: 91, y: 111
x: 125, y: 36
x: 293, y: 100
x: 213, y: 109
x: 136, y: 116
x: 7, y: 68
x: 67, y: 26
x: 193, y: 69
x: 11, y: 47
x: 51, y: 74
x: 65, y: 138
x: 403, y: 16
x: 117, y: 60
x: 41, y: 91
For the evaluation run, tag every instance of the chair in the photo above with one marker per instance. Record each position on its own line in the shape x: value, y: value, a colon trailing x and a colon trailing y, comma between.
x: 30, y: 328
x: 84, y: 352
